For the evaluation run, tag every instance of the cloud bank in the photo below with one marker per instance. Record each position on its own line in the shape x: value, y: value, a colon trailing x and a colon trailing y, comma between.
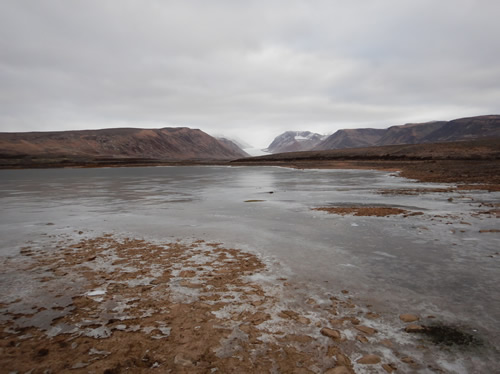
x: 250, y: 69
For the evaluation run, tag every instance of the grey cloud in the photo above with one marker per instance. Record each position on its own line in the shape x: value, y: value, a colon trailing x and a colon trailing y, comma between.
x: 251, y: 69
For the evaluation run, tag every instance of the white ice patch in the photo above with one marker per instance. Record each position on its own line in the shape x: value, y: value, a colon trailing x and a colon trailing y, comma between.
x: 148, y: 329
x: 97, y: 292
x: 101, y: 332
x: 230, y: 346
x: 139, y: 281
x: 61, y: 329
x: 94, y: 351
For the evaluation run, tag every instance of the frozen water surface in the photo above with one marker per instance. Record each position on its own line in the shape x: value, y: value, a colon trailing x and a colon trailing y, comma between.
x: 437, y: 263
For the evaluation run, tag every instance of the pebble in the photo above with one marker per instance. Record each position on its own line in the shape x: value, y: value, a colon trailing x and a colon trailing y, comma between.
x: 389, y: 367
x: 342, y: 359
x: 337, y: 322
x: 303, y: 320
x: 362, y: 339
x: 334, y: 334
x: 338, y: 370
x: 408, y: 318
x: 408, y: 360
x: 367, y: 330
x: 414, y: 328
x: 369, y: 360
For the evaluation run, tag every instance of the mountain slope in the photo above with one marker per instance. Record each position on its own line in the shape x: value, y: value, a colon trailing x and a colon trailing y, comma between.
x: 351, y: 138
x: 466, y: 129
x: 411, y: 133
x: 231, y: 144
x: 294, y: 141
x: 415, y: 133
x: 166, y: 144
x: 478, y: 149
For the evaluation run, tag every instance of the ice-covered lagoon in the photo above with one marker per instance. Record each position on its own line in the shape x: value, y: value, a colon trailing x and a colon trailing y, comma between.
x: 438, y: 263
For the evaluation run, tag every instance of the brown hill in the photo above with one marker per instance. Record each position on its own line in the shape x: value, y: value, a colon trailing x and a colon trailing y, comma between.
x: 466, y: 129
x: 411, y: 133
x: 162, y: 144
x: 416, y: 133
x: 351, y: 138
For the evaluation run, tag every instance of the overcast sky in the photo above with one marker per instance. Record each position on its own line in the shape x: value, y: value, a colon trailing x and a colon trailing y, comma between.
x: 251, y: 69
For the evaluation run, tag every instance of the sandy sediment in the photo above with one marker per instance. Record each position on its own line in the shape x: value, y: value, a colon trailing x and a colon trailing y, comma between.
x: 126, y: 305
x: 365, y: 211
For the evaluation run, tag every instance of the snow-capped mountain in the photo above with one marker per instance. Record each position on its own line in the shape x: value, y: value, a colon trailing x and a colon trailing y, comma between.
x: 294, y: 141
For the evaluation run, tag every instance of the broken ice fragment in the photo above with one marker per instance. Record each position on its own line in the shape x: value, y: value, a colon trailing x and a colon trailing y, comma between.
x: 96, y: 293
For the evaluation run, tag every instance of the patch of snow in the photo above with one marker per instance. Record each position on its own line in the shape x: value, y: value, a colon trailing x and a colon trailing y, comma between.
x: 256, y: 152
x: 94, y: 351
x: 80, y: 365
x: 96, y: 293
x: 98, y: 333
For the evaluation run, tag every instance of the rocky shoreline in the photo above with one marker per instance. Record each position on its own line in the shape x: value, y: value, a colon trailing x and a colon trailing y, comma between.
x: 114, y: 305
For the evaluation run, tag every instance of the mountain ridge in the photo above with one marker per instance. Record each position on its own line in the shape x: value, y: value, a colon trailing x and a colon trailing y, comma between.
x: 467, y: 128
x: 168, y: 143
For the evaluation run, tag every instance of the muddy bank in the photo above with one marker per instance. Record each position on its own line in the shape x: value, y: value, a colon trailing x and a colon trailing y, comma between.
x: 363, y: 211
x: 126, y: 305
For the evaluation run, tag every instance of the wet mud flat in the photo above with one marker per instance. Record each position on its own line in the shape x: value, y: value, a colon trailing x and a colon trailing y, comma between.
x: 111, y: 305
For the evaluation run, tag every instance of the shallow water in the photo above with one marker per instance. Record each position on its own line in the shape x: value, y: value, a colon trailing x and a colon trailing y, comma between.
x: 437, y: 263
